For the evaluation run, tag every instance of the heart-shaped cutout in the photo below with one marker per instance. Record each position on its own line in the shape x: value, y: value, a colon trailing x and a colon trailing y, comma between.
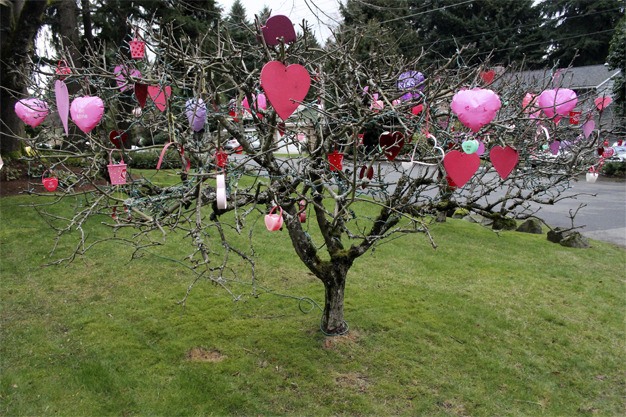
x: 277, y: 27
x: 141, y: 93
x: 475, y: 108
x: 470, y: 146
x: 119, y: 139
x: 123, y: 76
x: 461, y: 166
x: 391, y: 144
x: 588, y: 127
x: 417, y: 109
x: 285, y: 87
x: 554, y: 147
x: 487, y: 76
x: 31, y: 111
x: 87, y: 112
x: 503, y: 159
x: 63, y: 103
x: 602, y: 102
x: 160, y: 95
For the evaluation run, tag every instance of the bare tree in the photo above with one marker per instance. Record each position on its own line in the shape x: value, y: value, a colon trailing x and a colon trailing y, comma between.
x: 349, y: 209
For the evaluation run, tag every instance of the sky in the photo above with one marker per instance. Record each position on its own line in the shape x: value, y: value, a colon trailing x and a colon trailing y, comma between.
x: 320, y: 14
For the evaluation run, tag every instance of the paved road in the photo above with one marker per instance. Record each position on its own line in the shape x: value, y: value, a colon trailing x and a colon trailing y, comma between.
x: 603, y: 215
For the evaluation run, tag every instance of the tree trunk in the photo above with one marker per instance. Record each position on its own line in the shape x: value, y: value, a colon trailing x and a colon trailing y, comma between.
x: 333, y: 323
x: 20, y: 22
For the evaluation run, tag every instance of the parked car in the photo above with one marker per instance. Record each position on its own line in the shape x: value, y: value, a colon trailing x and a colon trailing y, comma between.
x: 619, y: 154
x: 233, y: 144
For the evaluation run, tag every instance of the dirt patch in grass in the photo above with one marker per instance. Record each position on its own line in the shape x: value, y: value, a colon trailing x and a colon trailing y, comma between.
x: 350, y: 338
x: 353, y: 380
x: 199, y: 354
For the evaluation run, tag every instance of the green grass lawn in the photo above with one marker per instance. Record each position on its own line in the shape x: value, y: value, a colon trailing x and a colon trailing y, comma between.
x: 487, y: 324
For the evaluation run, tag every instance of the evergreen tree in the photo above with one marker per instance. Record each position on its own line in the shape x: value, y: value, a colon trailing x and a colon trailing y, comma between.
x: 580, y: 30
x: 617, y: 60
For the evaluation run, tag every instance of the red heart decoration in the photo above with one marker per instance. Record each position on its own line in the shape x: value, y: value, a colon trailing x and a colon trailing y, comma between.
x: 141, y: 92
x: 285, y: 87
x: 504, y: 159
x: 160, y: 95
x: 461, y: 166
x: 119, y: 139
x: 417, y: 109
x: 277, y: 27
x: 488, y: 76
x: 391, y: 143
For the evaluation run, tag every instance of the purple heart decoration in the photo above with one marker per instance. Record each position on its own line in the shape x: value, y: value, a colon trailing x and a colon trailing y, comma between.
x: 196, y: 113
x: 123, y: 77
x: 588, y: 127
x: 277, y: 27
x: 554, y: 147
x: 412, y: 81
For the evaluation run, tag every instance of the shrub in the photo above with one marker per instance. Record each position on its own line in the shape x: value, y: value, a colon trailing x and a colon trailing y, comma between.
x: 615, y: 169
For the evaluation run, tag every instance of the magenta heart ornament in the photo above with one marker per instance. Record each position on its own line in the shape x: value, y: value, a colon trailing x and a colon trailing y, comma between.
x: 87, y: 112
x: 285, y: 86
x: 278, y: 27
x: 503, y: 159
x: 31, y: 111
x: 476, y: 107
x: 461, y: 166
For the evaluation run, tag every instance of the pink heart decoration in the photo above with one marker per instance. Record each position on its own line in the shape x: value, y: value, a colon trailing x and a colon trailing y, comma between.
x: 141, y: 93
x: 87, y: 112
x: 460, y: 166
x: 417, y: 109
x: 277, y: 27
x: 31, y: 111
x: 122, y: 76
x: 476, y: 107
x: 391, y: 143
x: 285, y: 87
x: 588, y: 127
x: 261, y: 102
x: 554, y: 147
x: 602, y: 102
x: 488, y: 76
x: 503, y: 159
x: 608, y: 152
x: 160, y: 95
x: 274, y: 221
x: 63, y: 103
x: 559, y: 101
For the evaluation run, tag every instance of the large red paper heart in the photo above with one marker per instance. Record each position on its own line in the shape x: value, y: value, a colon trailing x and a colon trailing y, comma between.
x: 141, y: 93
x: 160, y: 95
x: 285, y: 87
x: 461, y: 166
x: 391, y: 143
x: 504, y: 159
x: 278, y: 27
x: 118, y: 139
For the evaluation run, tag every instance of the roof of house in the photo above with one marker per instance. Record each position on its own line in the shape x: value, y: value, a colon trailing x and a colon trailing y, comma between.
x: 587, y: 77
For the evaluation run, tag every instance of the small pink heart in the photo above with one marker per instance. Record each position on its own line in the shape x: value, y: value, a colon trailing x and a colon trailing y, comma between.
x: 277, y: 27
x: 503, y: 159
x: 602, y: 102
x: 392, y: 144
x: 588, y: 127
x: 488, y: 76
x: 160, y: 95
x: 285, y: 87
x: 417, y: 109
x: 460, y: 166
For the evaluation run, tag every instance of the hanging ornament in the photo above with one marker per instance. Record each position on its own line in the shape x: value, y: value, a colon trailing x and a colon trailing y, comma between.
x: 31, y: 111
x: 475, y: 108
x: 86, y: 112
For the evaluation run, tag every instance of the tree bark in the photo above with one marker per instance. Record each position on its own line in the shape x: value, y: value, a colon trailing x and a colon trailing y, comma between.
x: 333, y: 323
x: 20, y: 23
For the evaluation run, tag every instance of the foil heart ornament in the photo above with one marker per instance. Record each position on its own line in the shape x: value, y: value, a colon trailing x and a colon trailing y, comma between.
x: 557, y: 102
x: 460, y: 167
x: 31, y: 111
x: 503, y: 159
x: 123, y: 77
x: 476, y: 107
x: 285, y: 86
x: 86, y: 112
x: 391, y: 144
